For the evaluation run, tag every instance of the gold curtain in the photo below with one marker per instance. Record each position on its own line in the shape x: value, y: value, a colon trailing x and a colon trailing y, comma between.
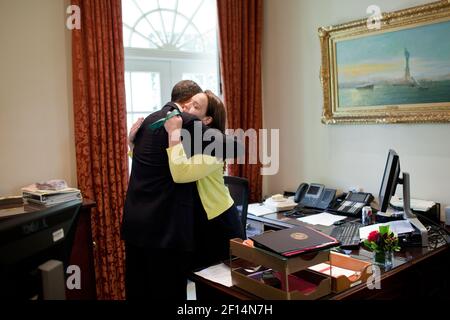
x: 101, y: 133
x: 240, y: 29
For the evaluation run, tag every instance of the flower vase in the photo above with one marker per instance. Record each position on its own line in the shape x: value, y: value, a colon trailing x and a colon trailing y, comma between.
x: 384, y: 259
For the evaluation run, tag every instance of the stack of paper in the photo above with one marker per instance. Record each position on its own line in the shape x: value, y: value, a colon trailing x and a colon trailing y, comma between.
x: 219, y: 273
x: 42, y: 193
x: 334, y: 271
x: 51, y: 185
x: 258, y: 209
x: 415, y: 204
x: 324, y: 219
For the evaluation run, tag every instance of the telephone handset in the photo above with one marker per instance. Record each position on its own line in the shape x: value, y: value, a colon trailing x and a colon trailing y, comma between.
x: 300, y: 193
x: 314, y: 196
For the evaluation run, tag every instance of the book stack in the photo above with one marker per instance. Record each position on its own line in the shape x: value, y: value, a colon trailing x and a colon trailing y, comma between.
x: 50, y: 193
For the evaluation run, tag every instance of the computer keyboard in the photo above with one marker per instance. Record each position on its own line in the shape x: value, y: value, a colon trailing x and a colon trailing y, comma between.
x: 348, y: 235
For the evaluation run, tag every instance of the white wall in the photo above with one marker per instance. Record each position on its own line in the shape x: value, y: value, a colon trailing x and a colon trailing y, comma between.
x: 339, y: 156
x: 36, y: 117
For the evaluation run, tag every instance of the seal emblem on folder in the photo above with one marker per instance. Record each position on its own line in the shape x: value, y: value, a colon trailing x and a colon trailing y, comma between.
x: 299, y: 236
x: 293, y: 241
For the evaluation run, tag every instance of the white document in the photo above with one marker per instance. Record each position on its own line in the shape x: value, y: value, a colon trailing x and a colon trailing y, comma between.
x: 335, y: 271
x: 416, y: 204
x: 258, y: 209
x: 324, y: 219
x: 397, y: 227
x: 401, y: 226
x: 220, y: 273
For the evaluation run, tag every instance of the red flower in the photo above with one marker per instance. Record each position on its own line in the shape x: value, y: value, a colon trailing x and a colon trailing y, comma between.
x: 373, y: 236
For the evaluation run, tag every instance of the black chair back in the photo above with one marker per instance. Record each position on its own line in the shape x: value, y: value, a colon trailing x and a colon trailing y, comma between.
x: 239, y: 191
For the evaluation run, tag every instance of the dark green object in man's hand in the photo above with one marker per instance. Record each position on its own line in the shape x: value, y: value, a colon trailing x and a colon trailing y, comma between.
x: 159, y: 123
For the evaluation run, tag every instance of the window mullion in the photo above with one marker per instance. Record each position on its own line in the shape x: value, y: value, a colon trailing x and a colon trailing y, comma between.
x: 162, y: 23
x: 144, y: 15
x: 174, y: 22
x: 190, y: 22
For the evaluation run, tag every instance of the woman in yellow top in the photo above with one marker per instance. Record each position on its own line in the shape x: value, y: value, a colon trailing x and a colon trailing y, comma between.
x: 217, y: 220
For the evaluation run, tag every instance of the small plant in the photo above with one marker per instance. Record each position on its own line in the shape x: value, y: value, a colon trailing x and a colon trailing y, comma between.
x: 382, y: 240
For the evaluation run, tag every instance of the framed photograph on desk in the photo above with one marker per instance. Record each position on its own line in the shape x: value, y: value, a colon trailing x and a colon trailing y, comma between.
x: 396, y: 70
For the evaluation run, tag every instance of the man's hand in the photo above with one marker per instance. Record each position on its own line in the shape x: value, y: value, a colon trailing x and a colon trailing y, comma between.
x: 134, y: 129
x: 173, y: 128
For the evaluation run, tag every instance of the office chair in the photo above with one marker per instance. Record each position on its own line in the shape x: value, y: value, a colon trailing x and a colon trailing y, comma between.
x: 239, y: 191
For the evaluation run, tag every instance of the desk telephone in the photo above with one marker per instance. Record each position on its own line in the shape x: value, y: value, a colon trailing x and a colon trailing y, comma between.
x: 352, y: 203
x: 317, y: 196
x: 314, y: 196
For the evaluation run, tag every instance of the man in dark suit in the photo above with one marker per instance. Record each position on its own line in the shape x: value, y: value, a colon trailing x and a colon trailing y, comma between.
x: 158, y: 222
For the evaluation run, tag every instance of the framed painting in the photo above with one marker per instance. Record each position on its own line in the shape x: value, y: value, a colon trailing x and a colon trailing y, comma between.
x: 398, y: 72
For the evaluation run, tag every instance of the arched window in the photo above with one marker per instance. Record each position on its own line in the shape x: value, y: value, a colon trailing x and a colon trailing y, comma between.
x: 167, y: 41
x: 184, y: 25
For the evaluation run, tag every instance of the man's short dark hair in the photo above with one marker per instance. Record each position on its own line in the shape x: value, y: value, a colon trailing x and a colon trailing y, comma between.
x: 184, y: 90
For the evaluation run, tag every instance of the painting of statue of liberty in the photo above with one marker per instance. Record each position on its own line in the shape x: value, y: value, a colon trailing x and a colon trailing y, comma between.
x: 402, y: 67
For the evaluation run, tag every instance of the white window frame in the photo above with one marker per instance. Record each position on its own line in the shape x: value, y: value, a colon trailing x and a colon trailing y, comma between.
x: 175, y: 64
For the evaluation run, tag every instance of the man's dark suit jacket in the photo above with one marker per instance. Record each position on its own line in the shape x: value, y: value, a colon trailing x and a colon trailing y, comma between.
x: 158, y: 213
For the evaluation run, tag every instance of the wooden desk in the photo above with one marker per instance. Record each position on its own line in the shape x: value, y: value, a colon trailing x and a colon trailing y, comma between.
x: 417, y: 272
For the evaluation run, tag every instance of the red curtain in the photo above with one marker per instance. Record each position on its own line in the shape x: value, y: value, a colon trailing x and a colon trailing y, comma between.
x: 100, y: 133
x: 240, y: 28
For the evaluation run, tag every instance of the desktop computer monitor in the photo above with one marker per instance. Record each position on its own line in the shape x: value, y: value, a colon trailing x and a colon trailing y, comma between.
x: 391, y: 178
x: 31, y: 239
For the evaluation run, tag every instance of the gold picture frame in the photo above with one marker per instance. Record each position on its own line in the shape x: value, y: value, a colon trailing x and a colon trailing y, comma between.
x: 391, y: 74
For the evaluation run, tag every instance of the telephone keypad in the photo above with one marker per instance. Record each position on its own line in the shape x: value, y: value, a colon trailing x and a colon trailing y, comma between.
x: 351, y: 207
